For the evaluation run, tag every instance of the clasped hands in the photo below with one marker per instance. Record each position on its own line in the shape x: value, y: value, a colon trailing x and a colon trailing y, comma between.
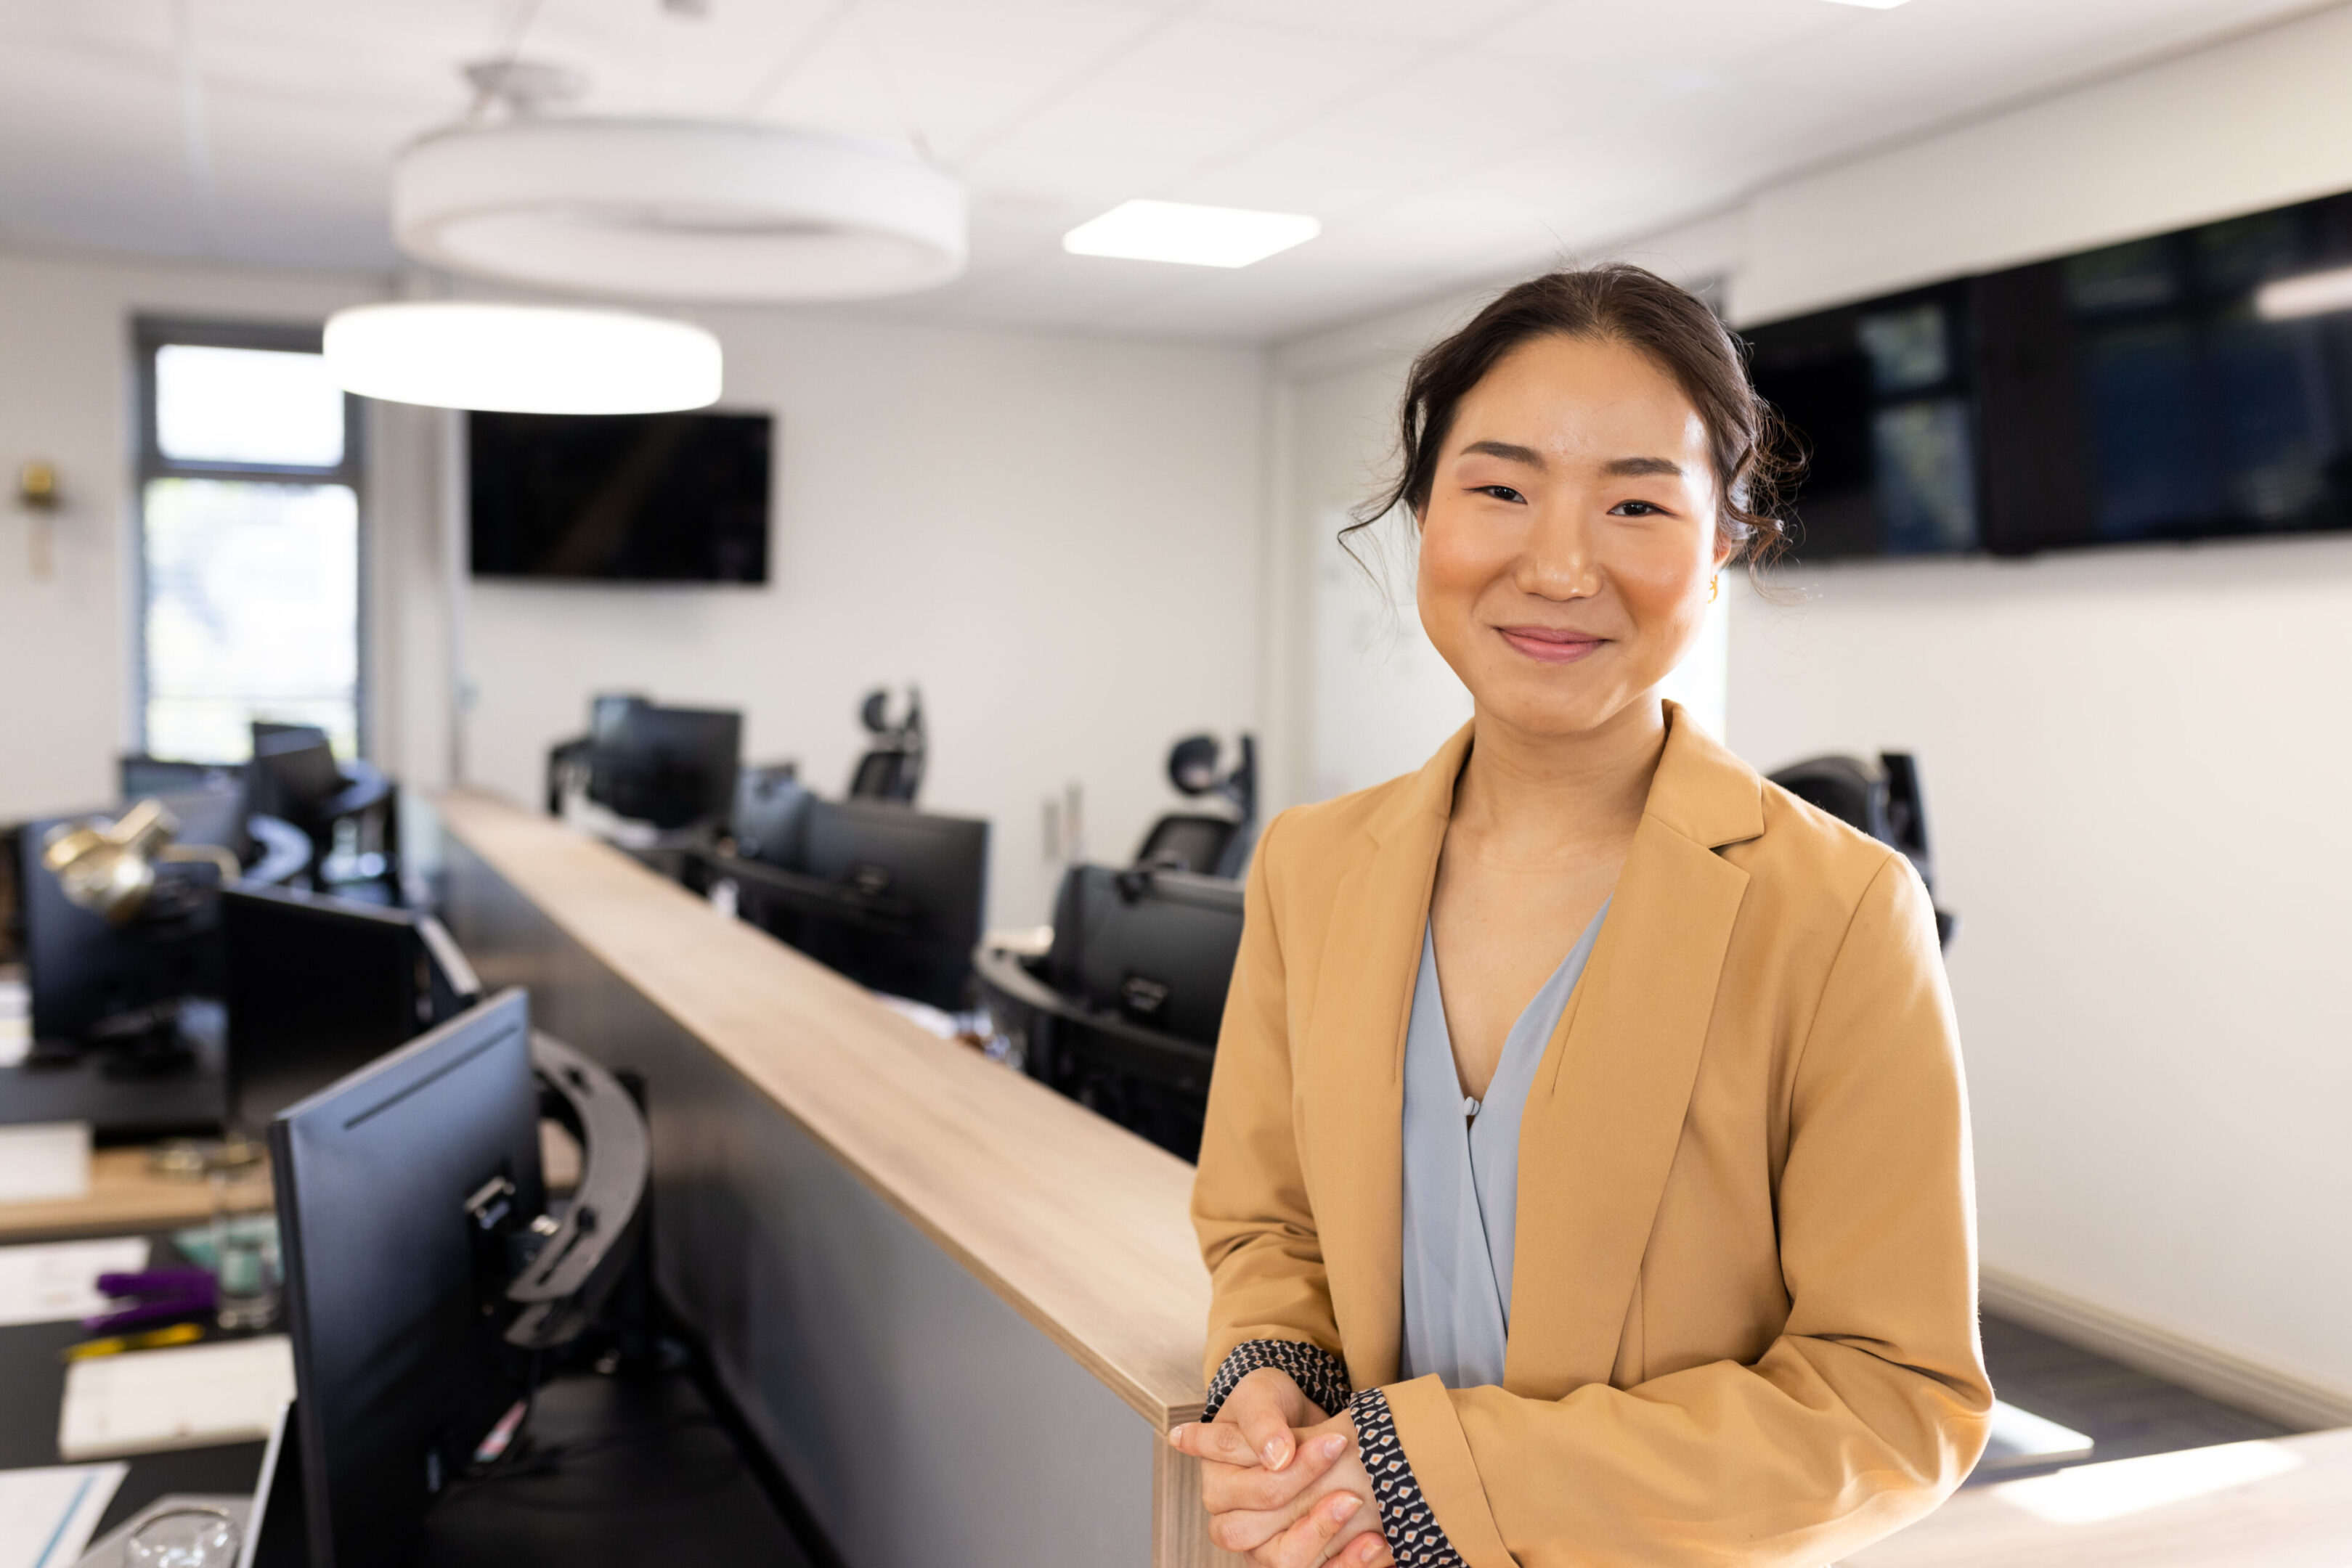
x: 1283, y: 1484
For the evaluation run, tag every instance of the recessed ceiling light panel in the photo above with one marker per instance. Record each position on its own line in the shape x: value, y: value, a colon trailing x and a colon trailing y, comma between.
x: 678, y: 210
x: 1195, y: 235
x: 521, y: 358
x: 1872, y: 4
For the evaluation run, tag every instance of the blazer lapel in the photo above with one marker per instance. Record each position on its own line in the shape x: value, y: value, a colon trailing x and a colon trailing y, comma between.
x: 1350, y: 1066
x: 1605, y: 1114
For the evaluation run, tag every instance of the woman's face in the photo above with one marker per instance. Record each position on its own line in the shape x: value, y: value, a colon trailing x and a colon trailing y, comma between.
x: 1569, y: 535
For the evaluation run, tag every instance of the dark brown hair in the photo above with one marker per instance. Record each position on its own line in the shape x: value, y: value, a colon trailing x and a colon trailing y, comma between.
x: 1619, y: 303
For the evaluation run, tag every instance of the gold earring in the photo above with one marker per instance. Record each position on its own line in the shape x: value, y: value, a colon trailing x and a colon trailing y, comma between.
x: 1712, y: 584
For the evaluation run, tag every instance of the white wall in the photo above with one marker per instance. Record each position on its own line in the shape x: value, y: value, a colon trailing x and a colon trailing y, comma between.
x: 68, y: 397
x: 2134, y: 757
x: 1057, y: 538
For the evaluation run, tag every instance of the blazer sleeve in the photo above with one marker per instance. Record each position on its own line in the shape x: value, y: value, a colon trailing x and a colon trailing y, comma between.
x: 1871, y: 1405
x: 1271, y: 1298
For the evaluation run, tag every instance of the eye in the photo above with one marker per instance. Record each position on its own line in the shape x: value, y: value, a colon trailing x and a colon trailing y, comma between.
x: 1636, y: 509
x: 1500, y: 492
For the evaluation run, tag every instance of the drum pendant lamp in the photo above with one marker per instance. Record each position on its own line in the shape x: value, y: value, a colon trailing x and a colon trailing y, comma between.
x: 678, y: 210
x: 644, y: 209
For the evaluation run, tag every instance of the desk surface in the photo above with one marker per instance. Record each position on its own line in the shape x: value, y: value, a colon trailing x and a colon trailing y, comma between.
x: 124, y: 1197
x: 1078, y: 1225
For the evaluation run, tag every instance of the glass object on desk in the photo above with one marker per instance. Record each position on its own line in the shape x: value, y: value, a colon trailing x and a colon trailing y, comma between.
x: 183, y: 1538
x: 245, y: 1247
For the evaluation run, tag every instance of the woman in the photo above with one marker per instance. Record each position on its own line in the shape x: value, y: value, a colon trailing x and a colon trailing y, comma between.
x: 1586, y: 1173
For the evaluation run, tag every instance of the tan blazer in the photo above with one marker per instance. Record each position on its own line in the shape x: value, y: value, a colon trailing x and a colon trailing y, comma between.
x: 1743, y: 1309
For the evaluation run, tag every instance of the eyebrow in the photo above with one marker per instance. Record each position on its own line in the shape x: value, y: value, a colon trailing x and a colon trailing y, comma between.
x: 1616, y: 468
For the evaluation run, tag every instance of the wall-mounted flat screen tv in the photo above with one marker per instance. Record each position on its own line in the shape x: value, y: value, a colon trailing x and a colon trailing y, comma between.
x: 663, y: 497
x: 2196, y: 384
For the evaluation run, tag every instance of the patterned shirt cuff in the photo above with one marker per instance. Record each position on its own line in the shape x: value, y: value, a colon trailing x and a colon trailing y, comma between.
x: 1321, y: 1375
x: 1415, y: 1539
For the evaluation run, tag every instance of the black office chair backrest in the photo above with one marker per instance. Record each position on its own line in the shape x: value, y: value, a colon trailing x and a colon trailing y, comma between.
x: 1189, y: 841
x: 892, y: 767
x: 885, y: 773
x: 294, y: 774
x: 1881, y: 800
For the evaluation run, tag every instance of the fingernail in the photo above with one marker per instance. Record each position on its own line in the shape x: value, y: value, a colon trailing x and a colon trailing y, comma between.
x: 1174, y: 1434
x: 1275, y: 1457
x: 1330, y: 1448
x: 1369, y: 1550
x: 1341, y: 1507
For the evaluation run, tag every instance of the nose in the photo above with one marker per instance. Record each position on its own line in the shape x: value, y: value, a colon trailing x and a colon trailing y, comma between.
x: 1559, y: 561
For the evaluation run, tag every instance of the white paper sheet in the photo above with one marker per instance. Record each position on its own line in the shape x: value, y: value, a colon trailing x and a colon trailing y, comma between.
x: 15, y: 1024
x: 43, y: 1161
x: 47, y: 1515
x: 194, y: 1396
x: 56, y: 1282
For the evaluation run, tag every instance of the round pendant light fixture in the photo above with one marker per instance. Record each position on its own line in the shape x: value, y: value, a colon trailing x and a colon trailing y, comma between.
x: 678, y: 210
x: 521, y: 358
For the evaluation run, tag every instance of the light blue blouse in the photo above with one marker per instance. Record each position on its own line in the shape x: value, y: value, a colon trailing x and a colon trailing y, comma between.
x: 1461, y: 1177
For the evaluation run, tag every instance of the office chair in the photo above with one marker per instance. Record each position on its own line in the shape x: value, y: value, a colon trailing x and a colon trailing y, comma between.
x: 1204, y: 844
x: 1883, y: 799
x: 295, y: 777
x: 892, y: 767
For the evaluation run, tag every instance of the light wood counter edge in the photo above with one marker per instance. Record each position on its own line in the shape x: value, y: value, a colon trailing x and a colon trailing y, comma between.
x: 1141, y: 1336
x: 124, y: 1197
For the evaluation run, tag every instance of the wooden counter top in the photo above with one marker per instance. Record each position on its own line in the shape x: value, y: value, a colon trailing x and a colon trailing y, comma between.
x: 1078, y: 1225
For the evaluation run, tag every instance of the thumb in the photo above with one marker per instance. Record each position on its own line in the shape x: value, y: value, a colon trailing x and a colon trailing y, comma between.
x: 1266, y: 1425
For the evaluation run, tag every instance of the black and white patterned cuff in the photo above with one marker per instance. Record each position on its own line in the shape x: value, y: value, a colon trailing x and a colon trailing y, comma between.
x: 1321, y: 1375
x: 1415, y: 1539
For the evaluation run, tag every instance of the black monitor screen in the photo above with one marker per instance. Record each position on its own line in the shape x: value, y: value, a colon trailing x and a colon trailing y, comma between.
x: 663, y: 497
x: 672, y: 767
x: 2189, y: 385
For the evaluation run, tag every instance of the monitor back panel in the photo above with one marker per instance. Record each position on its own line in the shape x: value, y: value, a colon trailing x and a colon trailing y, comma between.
x: 937, y: 865
x: 317, y: 988
x: 1157, y: 949
x: 398, y: 1370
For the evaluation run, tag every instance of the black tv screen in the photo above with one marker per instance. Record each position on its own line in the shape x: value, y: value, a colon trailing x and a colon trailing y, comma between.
x: 2195, y: 384
x: 662, y: 498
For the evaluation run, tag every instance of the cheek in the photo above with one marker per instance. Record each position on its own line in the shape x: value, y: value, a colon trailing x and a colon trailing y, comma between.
x: 1662, y: 578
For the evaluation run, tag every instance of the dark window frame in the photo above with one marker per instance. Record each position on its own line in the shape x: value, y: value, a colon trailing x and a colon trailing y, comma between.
x: 150, y: 334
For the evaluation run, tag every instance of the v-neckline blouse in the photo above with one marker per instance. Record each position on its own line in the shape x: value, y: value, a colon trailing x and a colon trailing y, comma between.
x: 1461, y: 1176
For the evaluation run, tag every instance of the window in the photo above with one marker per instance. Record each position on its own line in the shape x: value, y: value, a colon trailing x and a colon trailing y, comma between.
x: 249, y: 540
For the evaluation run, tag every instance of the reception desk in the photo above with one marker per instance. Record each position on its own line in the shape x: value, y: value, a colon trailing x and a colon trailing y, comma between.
x: 958, y: 1309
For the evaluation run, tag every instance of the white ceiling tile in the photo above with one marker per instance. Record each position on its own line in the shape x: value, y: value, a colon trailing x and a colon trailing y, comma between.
x: 1439, y: 141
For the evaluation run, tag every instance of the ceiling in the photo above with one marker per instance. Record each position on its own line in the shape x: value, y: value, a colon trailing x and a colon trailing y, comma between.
x: 1442, y: 143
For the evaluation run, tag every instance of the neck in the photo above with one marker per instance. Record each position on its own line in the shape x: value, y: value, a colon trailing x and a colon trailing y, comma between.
x: 1560, y: 792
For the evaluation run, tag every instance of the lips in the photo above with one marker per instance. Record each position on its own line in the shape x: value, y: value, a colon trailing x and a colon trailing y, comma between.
x: 1551, y: 645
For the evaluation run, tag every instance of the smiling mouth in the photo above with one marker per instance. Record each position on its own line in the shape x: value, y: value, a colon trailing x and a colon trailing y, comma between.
x: 1548, y: 646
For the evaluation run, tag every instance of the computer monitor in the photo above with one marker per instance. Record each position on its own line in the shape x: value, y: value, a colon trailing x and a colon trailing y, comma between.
x: 398, y: 1367
x: 316, y: 987
x: 1140, y: 963
x: 85, y: 972
x: 1153, y: 947
x: 890, y: 896
x: 670, y: 766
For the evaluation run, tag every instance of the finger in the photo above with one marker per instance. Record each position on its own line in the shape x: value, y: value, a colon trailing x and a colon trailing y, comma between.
x: 1218, y: 1442
x: 1367, y: 1550
x: 1304, y: 1543
x: 1266, y: 1425
x: 1225, y: 1487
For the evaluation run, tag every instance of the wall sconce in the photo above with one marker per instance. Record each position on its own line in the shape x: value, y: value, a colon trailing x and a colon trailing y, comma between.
x: 37, y: 493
